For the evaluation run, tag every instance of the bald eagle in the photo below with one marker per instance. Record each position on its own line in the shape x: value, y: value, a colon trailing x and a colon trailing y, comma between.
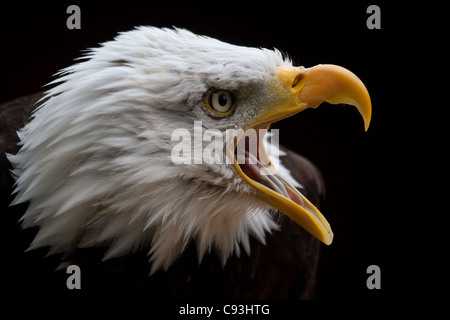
x: 95, y: 167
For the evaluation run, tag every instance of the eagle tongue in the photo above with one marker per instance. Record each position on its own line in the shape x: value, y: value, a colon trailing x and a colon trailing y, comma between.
x: 253, y: 171
x: 274, y: 181
x: 259, y: 168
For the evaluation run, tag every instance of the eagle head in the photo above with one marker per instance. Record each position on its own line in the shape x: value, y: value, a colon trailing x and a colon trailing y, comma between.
x: 137, y: 147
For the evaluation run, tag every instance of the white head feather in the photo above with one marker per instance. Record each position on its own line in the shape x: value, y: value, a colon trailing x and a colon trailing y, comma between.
x: 95, y: 162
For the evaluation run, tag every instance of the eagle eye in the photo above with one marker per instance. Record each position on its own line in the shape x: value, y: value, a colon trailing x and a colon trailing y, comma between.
x: 220, y: 102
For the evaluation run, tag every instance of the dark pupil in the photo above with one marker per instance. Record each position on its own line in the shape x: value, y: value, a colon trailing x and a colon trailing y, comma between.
x: 223, y: 100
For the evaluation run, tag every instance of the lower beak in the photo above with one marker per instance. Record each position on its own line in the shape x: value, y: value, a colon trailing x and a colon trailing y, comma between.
x: 301, y: 88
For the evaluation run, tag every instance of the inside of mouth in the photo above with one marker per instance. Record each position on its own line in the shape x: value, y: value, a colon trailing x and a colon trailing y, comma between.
x: 255, y: 164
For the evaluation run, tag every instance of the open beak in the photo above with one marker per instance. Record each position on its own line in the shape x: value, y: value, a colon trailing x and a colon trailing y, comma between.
x: 300, y: 88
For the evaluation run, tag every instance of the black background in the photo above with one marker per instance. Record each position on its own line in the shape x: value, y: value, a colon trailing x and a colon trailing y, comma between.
x: 356, y: 165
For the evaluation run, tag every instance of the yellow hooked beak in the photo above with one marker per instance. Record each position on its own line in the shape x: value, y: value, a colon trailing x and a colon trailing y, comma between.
x: 300, y: 88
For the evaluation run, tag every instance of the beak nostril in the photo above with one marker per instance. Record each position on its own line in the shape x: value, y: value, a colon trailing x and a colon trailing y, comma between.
x: 297, y: 80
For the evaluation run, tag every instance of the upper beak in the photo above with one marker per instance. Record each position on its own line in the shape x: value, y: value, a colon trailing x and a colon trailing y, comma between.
x: 303, y: 88
x: 335, y: 85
